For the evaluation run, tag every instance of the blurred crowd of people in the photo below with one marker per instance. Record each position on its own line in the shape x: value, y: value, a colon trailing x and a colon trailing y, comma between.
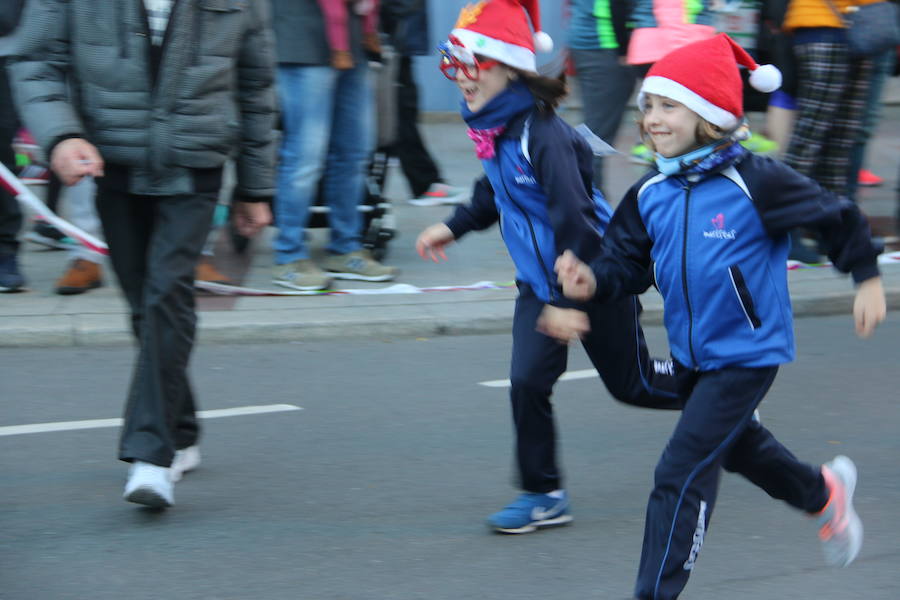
x: 329, y: 55
x: 820, y: 120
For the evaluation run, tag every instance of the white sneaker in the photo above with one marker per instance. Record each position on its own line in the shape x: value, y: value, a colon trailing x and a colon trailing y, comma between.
x: 840, y: 528
x: 185, y: 460
x: 149, y: 485
x: 441, y: 193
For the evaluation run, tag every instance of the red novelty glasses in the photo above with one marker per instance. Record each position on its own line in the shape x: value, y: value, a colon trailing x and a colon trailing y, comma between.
x: 455, y: 57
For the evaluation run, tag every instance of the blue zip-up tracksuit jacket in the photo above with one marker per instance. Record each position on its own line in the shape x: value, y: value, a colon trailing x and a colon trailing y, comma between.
x: 539, y: 187
x: 719, y: 243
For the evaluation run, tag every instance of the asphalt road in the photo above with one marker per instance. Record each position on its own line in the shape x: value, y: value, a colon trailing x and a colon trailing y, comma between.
x: 379, y: 487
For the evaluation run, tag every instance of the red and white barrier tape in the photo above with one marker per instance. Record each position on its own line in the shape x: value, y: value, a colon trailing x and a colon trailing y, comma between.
x: 25, y: 196
x: 398, y: 288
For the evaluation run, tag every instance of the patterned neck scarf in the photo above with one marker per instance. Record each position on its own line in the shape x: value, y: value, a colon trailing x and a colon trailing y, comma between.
x: 712, y: 157
x: 484, y: 140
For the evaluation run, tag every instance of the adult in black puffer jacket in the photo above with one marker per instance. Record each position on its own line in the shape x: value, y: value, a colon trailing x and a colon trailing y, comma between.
x: 152, y: 97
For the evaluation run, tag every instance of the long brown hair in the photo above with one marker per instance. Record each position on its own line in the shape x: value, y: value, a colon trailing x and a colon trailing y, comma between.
x: 549, y: 91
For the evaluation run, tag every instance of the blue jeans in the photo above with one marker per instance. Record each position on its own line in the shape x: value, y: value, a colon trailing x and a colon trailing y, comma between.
x: 328, y: 123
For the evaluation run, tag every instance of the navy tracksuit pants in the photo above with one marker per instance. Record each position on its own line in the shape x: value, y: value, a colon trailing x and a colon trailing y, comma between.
x: 715, y: 431
x: 617, y: 350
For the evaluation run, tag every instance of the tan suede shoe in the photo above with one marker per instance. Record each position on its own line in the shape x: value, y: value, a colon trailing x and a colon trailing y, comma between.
x: 206, y: 271
x: 81, y: 276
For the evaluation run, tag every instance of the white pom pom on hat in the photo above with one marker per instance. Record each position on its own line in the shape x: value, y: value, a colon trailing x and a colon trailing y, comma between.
x: 543, y: 42
x: 704, y: 77
x: 766, y: 78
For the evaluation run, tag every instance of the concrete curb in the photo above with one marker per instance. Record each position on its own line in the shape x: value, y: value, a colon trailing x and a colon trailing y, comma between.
x: 426, y: 320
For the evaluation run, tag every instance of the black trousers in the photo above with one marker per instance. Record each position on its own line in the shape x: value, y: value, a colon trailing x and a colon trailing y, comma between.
x: 617, y: 349
x: 10, y: 213
x: 154, y: 244
x: 415, y: 161
x: 715, y: 431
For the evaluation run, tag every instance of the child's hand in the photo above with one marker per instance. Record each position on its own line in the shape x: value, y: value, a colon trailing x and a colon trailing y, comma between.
x: 564, y: 324
x: 869, y: 308
x: 575, y: 277
x: 432, y: 240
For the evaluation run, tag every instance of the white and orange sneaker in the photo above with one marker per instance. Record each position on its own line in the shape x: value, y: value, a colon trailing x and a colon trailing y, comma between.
x: 840, y: 529
x: 441, y: 193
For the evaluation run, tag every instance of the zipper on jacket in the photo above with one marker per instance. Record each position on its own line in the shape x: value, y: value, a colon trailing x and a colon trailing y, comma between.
x: 684, y: 277
x: 743, y: 296
x: 537, y: 250
x: 123, y: 30
x: 197, y: 34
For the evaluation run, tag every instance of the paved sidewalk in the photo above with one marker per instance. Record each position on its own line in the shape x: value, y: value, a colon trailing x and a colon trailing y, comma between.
x: 41, y: 318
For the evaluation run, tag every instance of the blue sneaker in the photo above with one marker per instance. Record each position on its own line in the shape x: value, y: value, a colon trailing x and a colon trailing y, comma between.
x: 530, y: 511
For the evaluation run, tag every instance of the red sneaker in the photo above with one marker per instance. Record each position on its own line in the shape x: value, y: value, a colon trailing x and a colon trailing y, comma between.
x: 867, y: 178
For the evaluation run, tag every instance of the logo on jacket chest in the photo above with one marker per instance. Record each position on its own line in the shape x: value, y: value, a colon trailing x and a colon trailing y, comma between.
x: 719, y: 231
x: 523, y: 178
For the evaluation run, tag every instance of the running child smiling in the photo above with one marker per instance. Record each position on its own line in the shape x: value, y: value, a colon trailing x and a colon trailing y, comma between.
x: 714, y: 220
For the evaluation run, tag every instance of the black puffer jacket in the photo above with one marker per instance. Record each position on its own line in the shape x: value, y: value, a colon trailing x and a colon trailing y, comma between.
x: 86, y: 68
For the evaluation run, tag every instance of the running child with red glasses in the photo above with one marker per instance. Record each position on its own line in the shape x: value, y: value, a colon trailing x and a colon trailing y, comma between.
x: 537, y: 186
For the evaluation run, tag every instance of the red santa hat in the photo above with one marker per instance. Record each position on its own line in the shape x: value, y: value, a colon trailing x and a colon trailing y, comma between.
x: 499, y: 29
x: 704, y: 77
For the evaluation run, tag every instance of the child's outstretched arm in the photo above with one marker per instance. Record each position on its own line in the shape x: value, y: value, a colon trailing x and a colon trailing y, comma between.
x: 431, y: 242
x: 869, y: 307
x: 786, y: 199
x: 480, y: 213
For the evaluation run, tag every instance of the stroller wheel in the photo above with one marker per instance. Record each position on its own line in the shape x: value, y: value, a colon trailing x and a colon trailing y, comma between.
x: 376, y: 241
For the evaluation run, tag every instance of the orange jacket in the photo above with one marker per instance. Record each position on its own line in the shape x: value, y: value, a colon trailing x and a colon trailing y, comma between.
x: 817, y: 13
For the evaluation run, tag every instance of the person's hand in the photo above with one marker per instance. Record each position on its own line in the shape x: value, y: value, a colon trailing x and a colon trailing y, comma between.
x: 74, y: 159
x: 431, y: 242
x: 869, y: 307
x: 250, y: 217
x: 575, y: 277
x: 564, y: 324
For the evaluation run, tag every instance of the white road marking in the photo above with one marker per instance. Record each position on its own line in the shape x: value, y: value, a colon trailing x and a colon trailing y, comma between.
x: 100, y: 423
x: 567, y: 376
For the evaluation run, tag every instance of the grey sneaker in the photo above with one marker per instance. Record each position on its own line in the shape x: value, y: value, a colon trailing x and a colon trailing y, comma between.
x: 840, y: 528
x: 301, y: 275
x: 358, y: 265
x: 441, y: 193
